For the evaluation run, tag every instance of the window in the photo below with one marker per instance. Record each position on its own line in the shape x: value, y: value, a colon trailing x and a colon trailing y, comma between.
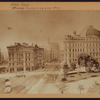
x: 9, y: 55
x: 9, y: 59
x: 29, y: 54
x: 26, y: 54
x: 22, y: 55
x: 17, y: 54
x: 93, y: 44
x: 13, y: 55
x: 78, y: 49
x: 9, y: 64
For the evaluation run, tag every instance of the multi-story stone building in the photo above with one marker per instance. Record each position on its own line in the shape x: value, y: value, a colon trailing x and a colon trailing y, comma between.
x: 1, y: 57
x: 54, y: 51
x: 38, y: 57
x: 88, y: 44
x: 47, y: 55
x: 22, y: 57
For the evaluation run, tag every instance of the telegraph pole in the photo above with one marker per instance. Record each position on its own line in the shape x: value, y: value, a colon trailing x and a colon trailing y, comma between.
x: 24, y: 64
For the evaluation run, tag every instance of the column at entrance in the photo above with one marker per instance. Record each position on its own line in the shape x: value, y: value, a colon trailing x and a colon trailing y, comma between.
x: 24, y: 63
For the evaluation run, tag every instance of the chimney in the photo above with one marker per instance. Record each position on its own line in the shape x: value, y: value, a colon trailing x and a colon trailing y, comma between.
x: 32, y: 44
x: 74, y: 32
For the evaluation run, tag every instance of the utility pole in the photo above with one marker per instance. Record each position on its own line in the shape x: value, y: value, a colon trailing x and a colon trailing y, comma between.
x: 65, y: 71
x: 24, y: 64
x: 90, y: 21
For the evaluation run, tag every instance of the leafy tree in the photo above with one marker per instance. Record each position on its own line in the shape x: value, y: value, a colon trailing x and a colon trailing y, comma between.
x: 73, y: 65
x: 95, y: 88
x: 62, y: 87
x: 89, y: 62
x: 81, y: 88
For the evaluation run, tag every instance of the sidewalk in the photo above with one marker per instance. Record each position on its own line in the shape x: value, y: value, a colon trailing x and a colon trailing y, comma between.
x: 37, y: 87
x: 50, y: 89
x: 70, y: 88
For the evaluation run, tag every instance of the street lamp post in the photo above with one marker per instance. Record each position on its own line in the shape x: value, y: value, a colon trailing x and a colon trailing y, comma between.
x: 24, y: 65
x: 65, y: 70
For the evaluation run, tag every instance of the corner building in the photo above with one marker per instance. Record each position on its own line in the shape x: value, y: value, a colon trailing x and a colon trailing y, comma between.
x: 1, y: 57
x: 88, y: 44
x: 24, y: 57
x: 38, y: 57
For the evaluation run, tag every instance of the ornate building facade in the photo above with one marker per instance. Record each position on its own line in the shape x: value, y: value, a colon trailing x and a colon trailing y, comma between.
x: 1, y: 57
x: 76, y: 45
x: 23, y: 57
x: 38, y: 57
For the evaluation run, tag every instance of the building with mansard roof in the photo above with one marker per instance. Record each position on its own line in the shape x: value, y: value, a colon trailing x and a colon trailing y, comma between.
x: 1, y: 57
x: 76, y: 45
x: 24, y: 57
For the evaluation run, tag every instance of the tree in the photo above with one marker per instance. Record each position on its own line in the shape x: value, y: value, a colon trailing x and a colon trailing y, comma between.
x: 81, y: 88
x: 95, y: 88
x: 62, y: 87
x: 65, y: 71
x: 73, y: 65
x: 89, y: 62
x: 3, y: 62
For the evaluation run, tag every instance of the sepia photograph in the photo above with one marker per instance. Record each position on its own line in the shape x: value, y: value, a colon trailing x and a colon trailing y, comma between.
x: 49, y: 51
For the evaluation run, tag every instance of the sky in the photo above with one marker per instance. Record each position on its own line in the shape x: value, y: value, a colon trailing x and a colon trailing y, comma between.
x: 34, y: 26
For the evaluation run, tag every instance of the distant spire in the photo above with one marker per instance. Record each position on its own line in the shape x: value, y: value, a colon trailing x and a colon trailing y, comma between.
x: 88, y: 18
x: 90, y: 21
